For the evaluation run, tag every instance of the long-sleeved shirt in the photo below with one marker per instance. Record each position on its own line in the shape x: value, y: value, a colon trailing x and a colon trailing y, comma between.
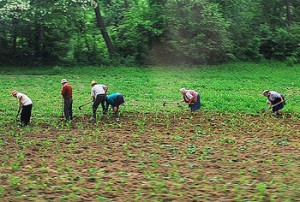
x: 66, y: 91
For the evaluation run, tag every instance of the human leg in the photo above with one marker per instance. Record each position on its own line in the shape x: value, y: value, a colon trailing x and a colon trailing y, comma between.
x: 26, y: 114
x: 68, y: 108
x: 95, y: 106
x: 196, y: 105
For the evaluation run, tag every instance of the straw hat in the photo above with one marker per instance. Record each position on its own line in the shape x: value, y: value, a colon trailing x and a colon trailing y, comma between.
x: 14, y: 93
x: 265, y: 92
x: 93, y: 82
x: 182, y: 90
x: 64, y: 81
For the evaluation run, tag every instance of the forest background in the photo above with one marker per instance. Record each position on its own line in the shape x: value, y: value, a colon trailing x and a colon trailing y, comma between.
x: 148, y: 32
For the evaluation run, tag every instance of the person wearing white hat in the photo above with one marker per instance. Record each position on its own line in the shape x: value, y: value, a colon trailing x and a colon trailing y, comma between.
x: 192, y: 98
x: 25, y: 104
x: 98, y: 94
x: 275, y: 100
x: 67, y: 94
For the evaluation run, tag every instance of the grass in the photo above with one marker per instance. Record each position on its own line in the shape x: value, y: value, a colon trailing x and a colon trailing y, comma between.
x: 226, y: 88
x: 227, y: 151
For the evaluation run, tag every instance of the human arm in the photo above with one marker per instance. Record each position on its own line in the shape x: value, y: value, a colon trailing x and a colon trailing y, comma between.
x: 270, y: 105
x: 19, y: 110
x: 275, y: 99
x: 281, y: 99
x: 191, y: 97
x: 105, y: 88
x: 106, y: 104
x: 64, y: 91
x: 21, y: 100
x: 93, y: 94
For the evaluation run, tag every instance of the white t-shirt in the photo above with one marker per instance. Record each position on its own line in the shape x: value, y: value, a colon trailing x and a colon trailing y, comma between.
x: 98, y: 89
x: 24, y: 99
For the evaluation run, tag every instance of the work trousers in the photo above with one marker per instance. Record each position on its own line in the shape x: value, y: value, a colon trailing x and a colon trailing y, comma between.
x: 100, y: 99
x: 26, y: 114
x: 196, y: 105
x: 68, y: 102
x: 279, y: 106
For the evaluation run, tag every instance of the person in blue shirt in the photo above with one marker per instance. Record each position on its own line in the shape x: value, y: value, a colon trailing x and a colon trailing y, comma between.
x: 115, y: 100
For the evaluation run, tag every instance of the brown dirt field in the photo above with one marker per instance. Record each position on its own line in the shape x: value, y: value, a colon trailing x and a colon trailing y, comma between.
x: 149, y: 157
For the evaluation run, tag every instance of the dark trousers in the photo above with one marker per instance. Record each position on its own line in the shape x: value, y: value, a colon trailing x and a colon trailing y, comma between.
x: 26, y: 114
x: 196, y: 105
x: 100, y: 99
x: 119, y: 100
x: 277, y: 107
x: 68, y: 108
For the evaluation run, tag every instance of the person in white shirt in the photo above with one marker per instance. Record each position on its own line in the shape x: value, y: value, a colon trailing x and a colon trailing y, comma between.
x: 98, y: 94
x: 25, y: 104
x: 276, y: 101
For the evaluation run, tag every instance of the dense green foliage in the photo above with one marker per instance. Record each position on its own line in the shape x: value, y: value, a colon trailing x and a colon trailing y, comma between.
x: 148, y: 31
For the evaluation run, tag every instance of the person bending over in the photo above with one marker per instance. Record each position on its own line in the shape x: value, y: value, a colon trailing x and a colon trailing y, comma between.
x: 192, y: 98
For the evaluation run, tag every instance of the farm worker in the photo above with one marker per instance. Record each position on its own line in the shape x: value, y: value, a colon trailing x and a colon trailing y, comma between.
x: 98, y: 94
x: 25, y: 104
x: 115, y: 100
x: 66, y: 93
x: 192, y: 98
x: 275, y: 100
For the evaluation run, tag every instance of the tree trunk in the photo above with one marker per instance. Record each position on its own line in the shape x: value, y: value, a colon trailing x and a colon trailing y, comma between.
x: 126, y: 4
x: 104, y: 33
x: 14, y: 39
x: 288, y: 11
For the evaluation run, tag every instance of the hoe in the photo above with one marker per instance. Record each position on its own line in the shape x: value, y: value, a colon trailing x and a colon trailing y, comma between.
x: 172, y: 103
x: 84, y: 104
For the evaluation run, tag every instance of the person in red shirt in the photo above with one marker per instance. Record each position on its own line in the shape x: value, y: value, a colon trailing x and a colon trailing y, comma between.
x: 66, y: 92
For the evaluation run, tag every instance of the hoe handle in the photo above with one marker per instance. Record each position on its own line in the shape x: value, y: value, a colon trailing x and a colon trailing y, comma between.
x: 84, y: 104
x: 168, y: 103
x: 278, y: 103
x: 18, y: 113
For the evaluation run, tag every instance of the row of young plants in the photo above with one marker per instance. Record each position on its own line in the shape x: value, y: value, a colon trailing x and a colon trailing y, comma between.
x: 156, y: 153
x: 173, y: 157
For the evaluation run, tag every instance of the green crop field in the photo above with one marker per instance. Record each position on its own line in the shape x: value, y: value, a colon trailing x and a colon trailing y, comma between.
x: 233, y: 149
x: 226, y: 88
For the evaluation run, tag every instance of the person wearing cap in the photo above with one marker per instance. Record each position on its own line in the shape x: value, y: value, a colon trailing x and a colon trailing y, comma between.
x: 66, y: 93
x: 25, y: 104
x: 98, y: 94
x: 192, y: 98
x: 115, y: 100
x: 275, y: 100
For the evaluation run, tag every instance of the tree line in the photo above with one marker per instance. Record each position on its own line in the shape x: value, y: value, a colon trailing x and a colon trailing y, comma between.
x: 141, y: 32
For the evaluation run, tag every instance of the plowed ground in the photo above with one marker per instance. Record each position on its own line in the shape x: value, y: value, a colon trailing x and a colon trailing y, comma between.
x: 153, y: 157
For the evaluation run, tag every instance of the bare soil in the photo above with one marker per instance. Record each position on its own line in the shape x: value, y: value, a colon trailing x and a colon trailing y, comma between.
x: 153, y: 157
